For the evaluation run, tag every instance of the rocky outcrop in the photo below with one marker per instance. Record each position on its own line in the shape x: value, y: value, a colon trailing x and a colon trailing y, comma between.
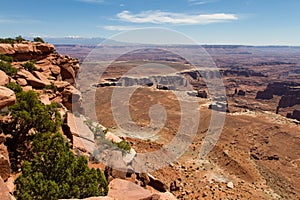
x: 3, y: 78
x: 288, y: 101
x: 294, y: 115
x: 71, y: 97
x: 68, y: 68
x: 240, y: 71
x: 42, y: 77
x: 241, y: 93
x: 264, y: 95
x: 32, y: 80
x: 27, y: 50
x: 7, y: 49
x: 289, y: 89
x: 7, y: 97
x: 284, y: 88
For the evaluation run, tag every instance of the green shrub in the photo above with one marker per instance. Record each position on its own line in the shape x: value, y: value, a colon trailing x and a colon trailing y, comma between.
x: 14, y: 87
x: 38, y: 39
x: 29, y: 65
x: 7, y: 40
x: 19, y: 39
x: 12, y: 41
x: 56, y: 173
x: 6, y: 58
x: 7, y: 68
x: 29, y: 112
x: 124, y: 145
x: 28, y: 116
x: 51, y: 87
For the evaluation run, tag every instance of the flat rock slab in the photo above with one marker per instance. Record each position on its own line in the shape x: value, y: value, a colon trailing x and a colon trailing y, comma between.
x: 83, y: 137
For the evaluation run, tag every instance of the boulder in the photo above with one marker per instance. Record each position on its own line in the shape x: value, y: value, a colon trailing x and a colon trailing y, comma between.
x: 67, y: 73
x: 44, y: 98
x: 144, y: 178
x: 7, y: 49
x: 27, y: 88
x: 71, y: 98
x: 4, y: 193
x: 61, y: 85
x: 45, y: 48
x: 45, y: 68
x: 4, y: 162
x: 157, y: 184
x: 7, y: 97
x: 81, y: 136
x: 4, y: 79
x: 230, y: 185
x: 116, y: 166
x: 55, y: 69
x: 22, y: 81
x: 122, y: 189
x: 112, y: 137
x: 42, y: 77
x: 32, y: 80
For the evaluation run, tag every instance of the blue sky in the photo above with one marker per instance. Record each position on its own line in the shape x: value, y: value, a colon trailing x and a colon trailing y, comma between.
x: 257, y: 22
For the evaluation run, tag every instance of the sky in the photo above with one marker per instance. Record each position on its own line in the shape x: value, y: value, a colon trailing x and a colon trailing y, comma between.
x: 245, y: 22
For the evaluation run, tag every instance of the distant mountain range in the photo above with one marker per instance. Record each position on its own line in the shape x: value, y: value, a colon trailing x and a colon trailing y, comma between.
x: 71, y: 40
x: 97, y: 40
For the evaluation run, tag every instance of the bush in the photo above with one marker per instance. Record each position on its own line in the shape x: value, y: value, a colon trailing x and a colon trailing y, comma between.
x: 51, y: 87
x: 6, y: 58
x: 7, y: 40
x: 56, y: 173
x: 29, y: 65
x: 28, y: 116
x: 29, y: 112
x: 14, y: 87
x: 12, y: 41
x: 7, y: 68
x: 38, y: 39
x: 19, y: 39
x: 124, y: 145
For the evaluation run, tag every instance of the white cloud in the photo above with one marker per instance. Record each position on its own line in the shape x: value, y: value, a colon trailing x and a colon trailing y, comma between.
x: 200, y: 2
x: 119, y: 28
x: 159, y: 17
